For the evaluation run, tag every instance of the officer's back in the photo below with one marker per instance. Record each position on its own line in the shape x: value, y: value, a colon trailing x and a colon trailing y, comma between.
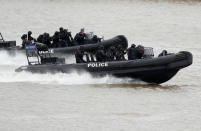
x: 79, y: 56
x: 132, y: 52
x: 100, y: 54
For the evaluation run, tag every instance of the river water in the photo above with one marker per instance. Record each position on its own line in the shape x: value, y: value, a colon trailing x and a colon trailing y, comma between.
x: 76, y: 102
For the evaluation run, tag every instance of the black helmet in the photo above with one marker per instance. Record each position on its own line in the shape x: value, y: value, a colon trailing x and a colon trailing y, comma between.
x: 44, y: 34
x: 47, y: 34
x: 61, y: 28
x: 24, y: 36
x: 133, y: 45
x: 82, y: 30
x: 56, y: 33
x: 29, y: 32
x: 164, y: 51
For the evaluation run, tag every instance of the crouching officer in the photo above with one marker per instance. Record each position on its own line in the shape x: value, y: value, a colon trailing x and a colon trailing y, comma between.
x: 79, y: 56
x: 111, y: 53
x: 80, y: 37
x: 30, y: 38
x: 132, y: 52
x: 100, y: 54
x: 120, y: 53
x: 140, y: 51
x: 24, y: 41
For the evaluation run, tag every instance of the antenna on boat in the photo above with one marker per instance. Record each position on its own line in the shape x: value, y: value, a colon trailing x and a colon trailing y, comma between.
x: 1, y: 37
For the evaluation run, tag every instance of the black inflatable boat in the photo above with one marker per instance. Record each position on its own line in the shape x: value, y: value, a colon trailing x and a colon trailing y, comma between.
x: 118, y: 40
x: 6, y: 44
x: 151, y: 70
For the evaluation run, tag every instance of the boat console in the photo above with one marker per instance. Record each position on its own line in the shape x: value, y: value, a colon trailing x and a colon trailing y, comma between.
x: 148, y: 52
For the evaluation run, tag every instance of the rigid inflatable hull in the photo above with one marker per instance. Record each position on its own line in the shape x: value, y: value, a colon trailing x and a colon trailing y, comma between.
x: 156, y: 70
x: 118, y: 40
x: 7, y: 44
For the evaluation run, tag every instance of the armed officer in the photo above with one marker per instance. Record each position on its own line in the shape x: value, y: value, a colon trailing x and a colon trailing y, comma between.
x: 24, y: 40
x: 120, y: 53
x: 100, y: 54
x: 80, y: 37
x: 62, y: 41
x: 46, y: 39
x: 55, y: 40
x: 40, y: 38
x: 68, y: 38
x: 111, y: 53
x: 140, y: 51
x: 79, y: 56
x: 30, y: 38
x: 132, y: 52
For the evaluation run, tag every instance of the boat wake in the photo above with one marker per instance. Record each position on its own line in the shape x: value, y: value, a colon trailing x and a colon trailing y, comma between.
x: 73, y: 78
x: 11, y: 62
x: 14, y: 59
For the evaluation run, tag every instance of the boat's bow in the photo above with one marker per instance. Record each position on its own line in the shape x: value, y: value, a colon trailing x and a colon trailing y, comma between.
x: 182, y: 60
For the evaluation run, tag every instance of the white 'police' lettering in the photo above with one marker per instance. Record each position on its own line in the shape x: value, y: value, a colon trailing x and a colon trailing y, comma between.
x: 50, y: 51
x: 97, y: 65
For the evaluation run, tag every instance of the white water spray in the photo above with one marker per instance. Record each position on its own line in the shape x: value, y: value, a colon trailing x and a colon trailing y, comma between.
x: 11, y: 62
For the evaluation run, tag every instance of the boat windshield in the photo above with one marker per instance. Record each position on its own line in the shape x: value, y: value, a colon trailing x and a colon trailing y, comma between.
x: 148, y: 52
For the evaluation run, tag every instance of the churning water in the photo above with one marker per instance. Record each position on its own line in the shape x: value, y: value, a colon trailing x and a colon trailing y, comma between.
x: 49, y: 102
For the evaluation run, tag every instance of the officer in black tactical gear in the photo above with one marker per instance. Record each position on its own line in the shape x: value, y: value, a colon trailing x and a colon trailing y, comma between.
x: 24, y: 40
x: 111, y: 53
x: 61, y: 32
x: 140, y: 51
x: 79, y: 56
x: 80, y: 37
x: 30, y: 38
x: 40, y: 38
x: 55, y: 40
x: 62, y: 41
x: 132, y: 52
x: 46, y: 39
x: 120, y: 53
x: 100, y: 54
x: 68, y: 38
